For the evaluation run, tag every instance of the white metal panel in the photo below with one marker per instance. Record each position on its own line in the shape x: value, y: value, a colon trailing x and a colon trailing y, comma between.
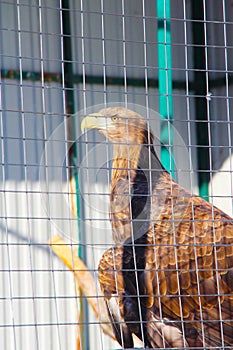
x: 37, y: 292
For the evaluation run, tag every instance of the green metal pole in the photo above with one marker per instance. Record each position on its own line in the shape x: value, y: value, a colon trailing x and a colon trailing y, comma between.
x: 70, y: 110
x: 165, y: 83
x: 200, y: 97
x: 70, y: 105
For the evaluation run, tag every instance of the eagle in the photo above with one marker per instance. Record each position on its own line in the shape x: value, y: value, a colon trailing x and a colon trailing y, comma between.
x: 168, y: 279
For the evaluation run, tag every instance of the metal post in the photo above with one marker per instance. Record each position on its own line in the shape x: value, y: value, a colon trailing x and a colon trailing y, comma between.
x: 165, y: 83
x: 70, y: 110
x: 200, y: 96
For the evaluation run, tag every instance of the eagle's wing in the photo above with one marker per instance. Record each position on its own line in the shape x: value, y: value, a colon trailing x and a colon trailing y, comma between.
x: 123, y: 310
x: 188, y: 281
x: 189, y: 267
x: 112, y: 286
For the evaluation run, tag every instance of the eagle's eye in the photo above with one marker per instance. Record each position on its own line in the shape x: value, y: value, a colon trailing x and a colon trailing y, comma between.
x: 114, y: 118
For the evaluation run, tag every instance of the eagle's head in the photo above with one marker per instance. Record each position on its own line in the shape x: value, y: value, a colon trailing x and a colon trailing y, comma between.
x: 119, y: 125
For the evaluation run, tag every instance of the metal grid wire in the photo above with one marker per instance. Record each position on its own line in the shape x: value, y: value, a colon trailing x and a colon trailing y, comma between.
x: 61, y: 58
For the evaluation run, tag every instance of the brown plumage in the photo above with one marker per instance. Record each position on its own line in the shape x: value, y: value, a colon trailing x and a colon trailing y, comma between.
x: 169, y: 278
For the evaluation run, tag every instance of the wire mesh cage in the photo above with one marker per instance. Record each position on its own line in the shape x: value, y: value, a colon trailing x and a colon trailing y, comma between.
x: 171, y: 63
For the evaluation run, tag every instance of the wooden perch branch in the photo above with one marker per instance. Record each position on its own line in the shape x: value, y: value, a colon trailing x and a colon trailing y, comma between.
x: 85, y: 281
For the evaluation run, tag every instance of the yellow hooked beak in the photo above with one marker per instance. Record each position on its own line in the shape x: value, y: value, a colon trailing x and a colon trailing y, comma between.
x: 94, y: 121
